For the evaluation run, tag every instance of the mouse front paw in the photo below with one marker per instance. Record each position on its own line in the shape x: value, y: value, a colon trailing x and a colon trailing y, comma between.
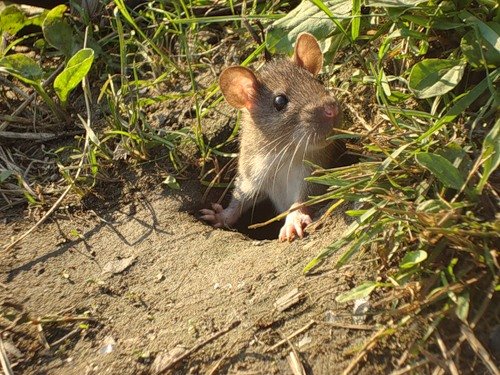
x: 214, y: 216
x: 295, y: 223
x: 218, y: 217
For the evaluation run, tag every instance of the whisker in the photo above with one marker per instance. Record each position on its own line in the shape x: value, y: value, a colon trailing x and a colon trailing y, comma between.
x: 292, y: 159
x: 278, y: 167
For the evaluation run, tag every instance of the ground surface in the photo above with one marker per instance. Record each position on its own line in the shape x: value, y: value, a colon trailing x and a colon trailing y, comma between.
x: 184, y: 282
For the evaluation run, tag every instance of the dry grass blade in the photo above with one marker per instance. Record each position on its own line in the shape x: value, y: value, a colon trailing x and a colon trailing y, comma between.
x: 7, y: 369
x: 479, y: 349
x: 295, y: 364
x: 410, y: 368
x: 361, y: 327
x: 54, y: 206
x: 288, y: 338
x: 452, y: 367
x: 198, y: 346
x: 364, y: 350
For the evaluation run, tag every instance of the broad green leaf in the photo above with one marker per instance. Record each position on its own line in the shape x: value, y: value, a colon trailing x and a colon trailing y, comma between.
x: 456, y: 155
x: 474, y: 49
x: 361, y: 291
x: 57, y: 31
x: 444, y: 171
x: 12, y: 19
x: 307, y: 17
x: 433, y: 77
x: 22, y: 67
x: 76, y: 69
x: 490, y: 154
x: 412, y: 258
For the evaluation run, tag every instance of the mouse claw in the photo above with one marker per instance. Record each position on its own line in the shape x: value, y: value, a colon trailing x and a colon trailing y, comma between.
x: 294, y: 226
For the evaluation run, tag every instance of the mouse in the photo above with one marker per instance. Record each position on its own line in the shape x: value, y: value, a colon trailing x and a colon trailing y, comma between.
x: 287, y: 116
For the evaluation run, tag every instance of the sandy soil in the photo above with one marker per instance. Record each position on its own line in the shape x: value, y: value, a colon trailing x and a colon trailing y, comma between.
x: 182, y: 282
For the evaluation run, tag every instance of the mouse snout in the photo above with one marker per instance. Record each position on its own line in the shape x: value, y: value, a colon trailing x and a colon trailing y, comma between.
x: 331, y: 109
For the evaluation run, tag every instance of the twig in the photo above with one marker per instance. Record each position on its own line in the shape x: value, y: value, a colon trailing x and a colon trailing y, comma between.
x: 37, y: 136
x: 30, y: 136
x: 214, y: 369
x: 366, y: 347
x: 200, y: 345
x: 362, y: 327
x: 63, y: 319
x: 23, y: 106
x: 42, y: 337
x: 65, y: 337
x: 15, y: 119
x: 13, y: 87
x: 5, y: 360
x: 286, y: 339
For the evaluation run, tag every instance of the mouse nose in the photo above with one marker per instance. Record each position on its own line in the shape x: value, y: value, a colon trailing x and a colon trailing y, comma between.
x: 331, y: 109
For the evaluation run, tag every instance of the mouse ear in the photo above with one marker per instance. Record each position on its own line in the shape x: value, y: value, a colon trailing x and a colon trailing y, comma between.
x: 307, y: 53
x: 239, y: 86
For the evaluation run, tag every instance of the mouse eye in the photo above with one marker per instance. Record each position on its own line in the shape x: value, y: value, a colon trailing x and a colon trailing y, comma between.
x: 280, y: 102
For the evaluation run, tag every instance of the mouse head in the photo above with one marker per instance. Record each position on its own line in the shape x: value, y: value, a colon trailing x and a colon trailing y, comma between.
x: 284, y: 97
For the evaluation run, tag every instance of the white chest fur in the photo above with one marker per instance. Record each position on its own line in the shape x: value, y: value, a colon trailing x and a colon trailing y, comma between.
x: 280, y: 176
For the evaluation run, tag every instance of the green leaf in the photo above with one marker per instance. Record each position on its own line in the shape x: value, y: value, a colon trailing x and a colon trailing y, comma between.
x: 457, y: 156
x: 361, y: 291
x: 22, y: 67
x: 307, y: 17
x: 356, y: 20
x: 57, y: 32
x: 325, y: 253
x: 462, y: 309
x: 344, y: 136
x: 12, y: 19
x: 490, y: 154
x: 433, y: 77
x: 474, y: 49
x: 5, y: 175
x: 412, y: 258
x: 441, y: 168
x: 487, y: 32
x: 171, y: 182
x: 393, y: 3
x: 76, y: 69
x: 462, y: 103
